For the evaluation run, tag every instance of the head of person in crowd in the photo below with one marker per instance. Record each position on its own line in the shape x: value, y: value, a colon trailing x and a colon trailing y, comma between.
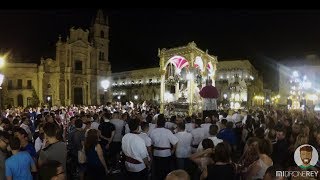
x: 92, y: 139
x: 272, y: 135
x: 4, y: 140
x: 78, y: 123
x: 264, y: 147
x: 213, y: 130
x: 300, y: 140
x: 207, y: 143
x: 149, y: 118
x: 134, y: 125
x: 207, y: 120
x: 21, y: 134
x: 296, y: 128
x: 144, y: 126
x: 116, y: 115
x: 106, y: 117
x: 229, y: 125
x: 173, y: 119
x: 271, y: 173
x: 178, y: 175
x: 222, y: 153
x: 16, y: 122
x: 161, y: 121
x: 259, y: 133
x: 198, y: 123
x: 181, y: 127
x: 188, y: 119
x: 49, y: 118
x: 51, y: 170
x: 281, y: 133
x: 25, y: 120
x: 14, y: 144
x: 51, y: 131
x: 252, y: 145
x: 179, y: 119
x: 224, y: 123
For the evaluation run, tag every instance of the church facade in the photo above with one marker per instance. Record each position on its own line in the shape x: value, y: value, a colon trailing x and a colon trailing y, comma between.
x: 73, y: 77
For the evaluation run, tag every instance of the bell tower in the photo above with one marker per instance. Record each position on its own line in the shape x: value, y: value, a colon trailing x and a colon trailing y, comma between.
x: 100, y: 36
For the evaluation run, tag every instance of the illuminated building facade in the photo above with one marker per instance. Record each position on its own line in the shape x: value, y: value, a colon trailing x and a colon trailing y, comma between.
x: 73, y: 77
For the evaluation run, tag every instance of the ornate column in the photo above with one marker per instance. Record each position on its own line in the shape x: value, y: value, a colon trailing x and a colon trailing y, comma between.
x: 162, y: 90
x: 191, y: 85
x: 176, y: 91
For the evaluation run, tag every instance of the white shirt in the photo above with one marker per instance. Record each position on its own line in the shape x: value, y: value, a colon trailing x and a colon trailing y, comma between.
x: 184, y: 144
x: 151, y: 128
x: 163, y: 138
x: 94, y: 125
x: 134, y: 146
x: 118, y: 124
x: 215, y: 141
x: 206, y: 128
x: 146, y: 138
x: 197, y: 135
x: 170, y: 125
x: 189, y: 127
x: 38, y: 144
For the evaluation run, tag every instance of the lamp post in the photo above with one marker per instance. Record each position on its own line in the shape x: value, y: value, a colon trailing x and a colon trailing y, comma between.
x: 48, y: 100
x: 105, y: 85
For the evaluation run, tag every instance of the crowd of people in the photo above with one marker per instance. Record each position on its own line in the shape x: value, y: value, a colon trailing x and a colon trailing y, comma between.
x: 96, y: 142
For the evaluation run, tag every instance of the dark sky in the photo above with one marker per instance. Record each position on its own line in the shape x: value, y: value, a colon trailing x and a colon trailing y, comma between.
x: 262, y: 36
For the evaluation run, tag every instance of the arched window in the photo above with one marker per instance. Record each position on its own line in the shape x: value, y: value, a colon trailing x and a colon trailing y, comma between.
x: 20, y: 100
x: 101, y: 34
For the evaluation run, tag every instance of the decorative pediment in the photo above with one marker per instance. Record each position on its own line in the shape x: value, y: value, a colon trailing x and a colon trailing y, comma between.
x: 80, y: 43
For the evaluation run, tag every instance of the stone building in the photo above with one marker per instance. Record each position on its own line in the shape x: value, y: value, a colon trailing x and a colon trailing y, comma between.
x: 144, y: 84
x: 73, y: 77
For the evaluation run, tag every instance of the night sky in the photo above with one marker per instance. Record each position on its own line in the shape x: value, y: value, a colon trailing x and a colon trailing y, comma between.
x: 262, y: 36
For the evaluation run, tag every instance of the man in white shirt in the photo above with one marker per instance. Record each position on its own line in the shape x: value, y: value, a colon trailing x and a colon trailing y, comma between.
x: 162, y: 140
x: 115, y: 146
x: 135, y: 151
x: 183, y: 150
x: 197, y: 135
x: 206, y: 127
x: 145, y: 128
x: 213, y: 130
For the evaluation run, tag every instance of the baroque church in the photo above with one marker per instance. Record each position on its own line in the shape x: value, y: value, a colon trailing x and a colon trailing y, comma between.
x: 73, y: 77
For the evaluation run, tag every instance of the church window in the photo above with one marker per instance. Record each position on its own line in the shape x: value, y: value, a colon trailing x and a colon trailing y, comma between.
x: 102, y: 34
x: 78, y: 66
x: 19, y: 83
x: 10, y: 84
x: 101, y: 56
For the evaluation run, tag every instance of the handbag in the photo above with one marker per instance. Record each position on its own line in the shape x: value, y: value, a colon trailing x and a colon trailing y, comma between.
x: 82, y: 156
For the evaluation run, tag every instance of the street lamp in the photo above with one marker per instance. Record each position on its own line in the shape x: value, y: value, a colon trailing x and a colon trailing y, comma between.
x: 105, y: 85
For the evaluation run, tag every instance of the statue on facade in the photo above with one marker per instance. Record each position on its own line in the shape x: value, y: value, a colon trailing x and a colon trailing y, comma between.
x: 209, y: 94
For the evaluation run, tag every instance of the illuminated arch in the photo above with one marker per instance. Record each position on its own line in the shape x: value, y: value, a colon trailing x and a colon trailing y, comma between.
x: 179, y: 62
x: 198, y: 63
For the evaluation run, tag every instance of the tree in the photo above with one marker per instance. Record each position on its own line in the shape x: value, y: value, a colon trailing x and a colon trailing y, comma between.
x: 34, y: 99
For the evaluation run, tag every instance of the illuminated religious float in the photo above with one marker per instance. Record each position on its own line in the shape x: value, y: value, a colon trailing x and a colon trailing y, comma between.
x: 184, y: 71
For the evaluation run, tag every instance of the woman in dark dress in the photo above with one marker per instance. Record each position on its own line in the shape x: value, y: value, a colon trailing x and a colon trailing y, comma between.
x: 223, y: 167
x: 96, y: 164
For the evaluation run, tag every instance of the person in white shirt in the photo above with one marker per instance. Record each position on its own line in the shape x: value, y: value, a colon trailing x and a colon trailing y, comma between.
x: 136, y: 153
x: 115, y: 146
x: 197, y: 135
x: 183, y: 150
x: 206, y: 127
x: 162, y: 140
x: 25, y: 125
x: 213, y: 130
x: 95, y: 124
x: 145, y: 128
x: 189, y: 124
x: 40, y: 143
